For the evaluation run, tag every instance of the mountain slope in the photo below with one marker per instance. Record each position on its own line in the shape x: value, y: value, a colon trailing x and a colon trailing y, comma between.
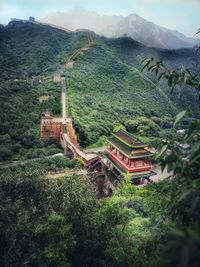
x: 104, y: 92
x: 133, y: 53
x: 105, y: 88
x: 31, y: 49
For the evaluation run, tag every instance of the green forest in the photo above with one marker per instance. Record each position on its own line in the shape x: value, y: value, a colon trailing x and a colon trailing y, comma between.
x: 63, y: 222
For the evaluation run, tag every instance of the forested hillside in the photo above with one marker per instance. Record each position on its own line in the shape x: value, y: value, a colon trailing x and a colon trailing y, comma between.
x: 133, y: 53
x: 29, y: 54
x: 106, y: 88
x: 105, y: 93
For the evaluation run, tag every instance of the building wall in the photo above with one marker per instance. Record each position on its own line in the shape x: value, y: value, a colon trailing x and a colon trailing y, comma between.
x: 52, y: 127
x: 49, y: 128
x: 71, y: 133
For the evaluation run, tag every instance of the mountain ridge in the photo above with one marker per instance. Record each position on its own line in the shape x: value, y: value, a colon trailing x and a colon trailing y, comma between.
x: 115, y: 26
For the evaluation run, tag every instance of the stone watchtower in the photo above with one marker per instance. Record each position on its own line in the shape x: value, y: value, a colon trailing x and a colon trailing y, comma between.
x: 49, y: 127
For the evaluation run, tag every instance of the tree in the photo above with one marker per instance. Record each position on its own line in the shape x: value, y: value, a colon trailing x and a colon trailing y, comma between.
x: 183, y: 239
x: 53, y: 239
x: 180, y: 77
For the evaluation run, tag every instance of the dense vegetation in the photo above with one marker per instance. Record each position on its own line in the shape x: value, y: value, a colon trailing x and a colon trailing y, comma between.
x: 133, y: 53
x: 46, y: 225
x: 20, y: 116
x: 106, y: 91
x: 61, y: 222
x: 28, y: 50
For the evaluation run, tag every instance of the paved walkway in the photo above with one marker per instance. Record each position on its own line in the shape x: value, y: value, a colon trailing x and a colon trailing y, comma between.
x: 67, y: 172
x: 63, y: 98
x: 95, y: 150
x: 160, y: 175
x: 80, y: 153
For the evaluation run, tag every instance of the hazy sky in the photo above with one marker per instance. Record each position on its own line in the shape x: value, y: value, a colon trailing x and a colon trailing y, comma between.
x: 182, y: 15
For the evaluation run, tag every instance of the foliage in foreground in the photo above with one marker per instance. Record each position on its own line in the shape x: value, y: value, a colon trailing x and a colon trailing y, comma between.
x: 44, y: 223
x: 184, y: 209
x: 63, y: 224
x: 182, y: 158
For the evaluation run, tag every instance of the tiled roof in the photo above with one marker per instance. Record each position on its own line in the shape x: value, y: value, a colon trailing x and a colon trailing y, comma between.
x: 128, y: 139
x: 129, y: 152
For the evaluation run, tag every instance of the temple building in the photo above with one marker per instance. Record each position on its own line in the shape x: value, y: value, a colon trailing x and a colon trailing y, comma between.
x: 127, y: 155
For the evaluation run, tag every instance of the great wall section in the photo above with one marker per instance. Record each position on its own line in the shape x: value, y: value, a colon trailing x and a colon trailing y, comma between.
x: 61, y: 128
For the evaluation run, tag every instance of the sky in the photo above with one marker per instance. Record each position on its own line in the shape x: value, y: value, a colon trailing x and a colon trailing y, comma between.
x: 181, y: 15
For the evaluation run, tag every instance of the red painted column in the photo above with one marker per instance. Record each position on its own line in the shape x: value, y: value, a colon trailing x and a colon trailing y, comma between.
x: 129, y: 162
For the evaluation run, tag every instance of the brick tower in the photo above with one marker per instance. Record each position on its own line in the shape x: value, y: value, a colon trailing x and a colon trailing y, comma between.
x: 50, y: 127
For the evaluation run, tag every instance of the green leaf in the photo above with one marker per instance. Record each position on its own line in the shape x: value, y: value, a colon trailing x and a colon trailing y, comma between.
x: 184, y: 195
x: 191, y: 130
x: 160, y: 76
x: 146, y: 63
x: 163, y: 149
x: 179, y: 117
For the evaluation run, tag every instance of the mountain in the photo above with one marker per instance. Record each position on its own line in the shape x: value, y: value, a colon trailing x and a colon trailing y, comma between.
x: 133, y: 26
x: 106, y: 88
x: 148, y: 33
x: 79, y: 18
x: 133, y: 53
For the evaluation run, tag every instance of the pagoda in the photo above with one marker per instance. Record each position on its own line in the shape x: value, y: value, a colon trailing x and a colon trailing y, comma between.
x: 127, y: 155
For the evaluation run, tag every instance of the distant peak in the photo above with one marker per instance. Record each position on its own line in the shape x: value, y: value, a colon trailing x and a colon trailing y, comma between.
x: 135, y: 16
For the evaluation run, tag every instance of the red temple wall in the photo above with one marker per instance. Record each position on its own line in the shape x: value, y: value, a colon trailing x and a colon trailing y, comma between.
x: 128, y: 167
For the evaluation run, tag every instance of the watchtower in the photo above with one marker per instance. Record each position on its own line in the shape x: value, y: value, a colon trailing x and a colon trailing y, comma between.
x: 49, y: 127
